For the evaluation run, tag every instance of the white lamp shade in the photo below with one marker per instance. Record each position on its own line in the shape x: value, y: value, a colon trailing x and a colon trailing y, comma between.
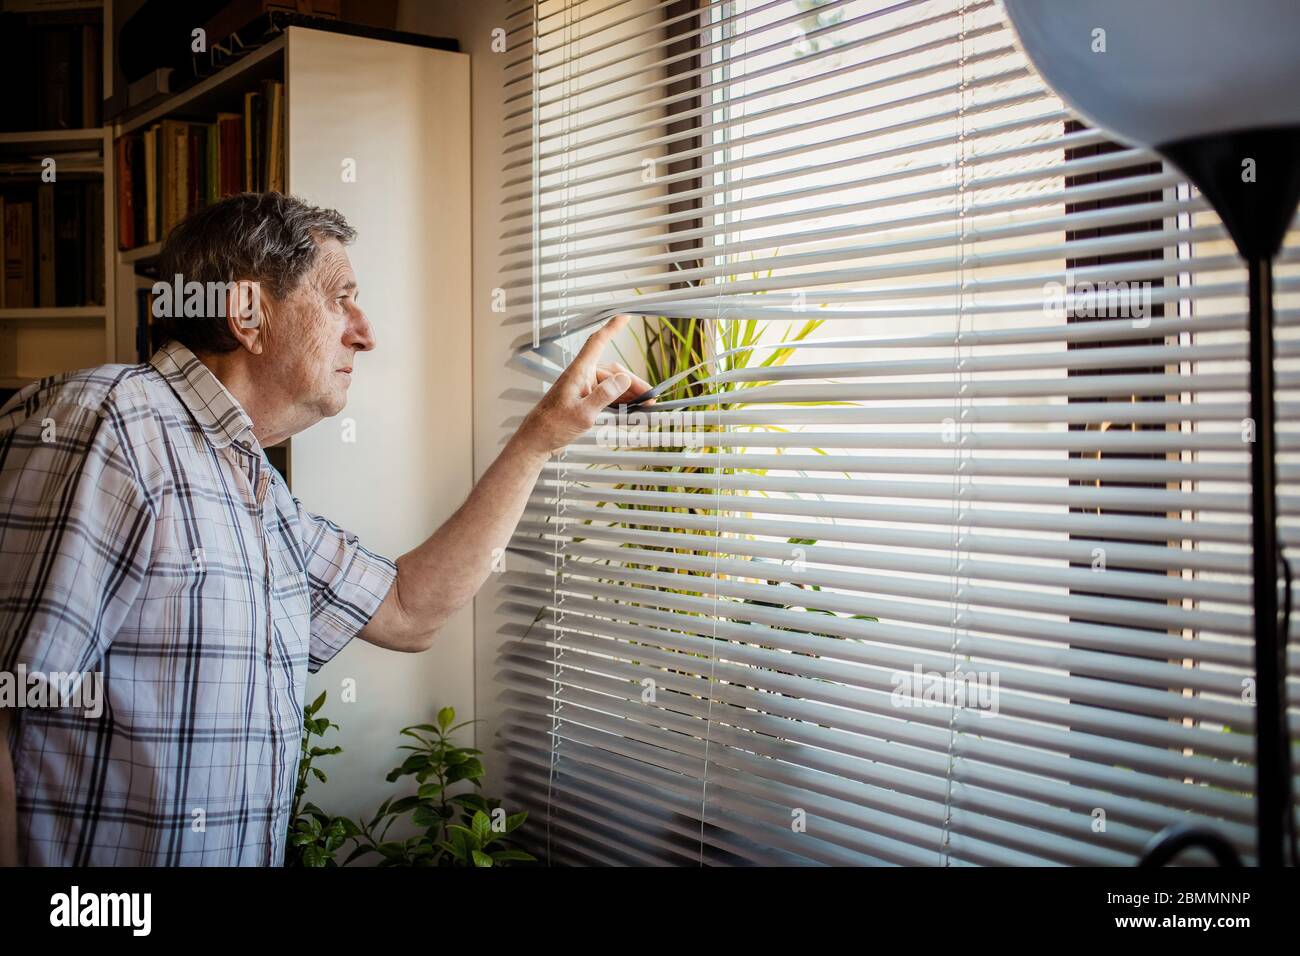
x: 1167, y: 70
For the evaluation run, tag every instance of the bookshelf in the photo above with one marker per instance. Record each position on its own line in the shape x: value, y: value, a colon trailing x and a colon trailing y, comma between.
x: 57, y: 294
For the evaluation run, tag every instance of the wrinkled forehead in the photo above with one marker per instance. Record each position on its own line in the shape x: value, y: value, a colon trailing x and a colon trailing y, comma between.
x: 332, y: 268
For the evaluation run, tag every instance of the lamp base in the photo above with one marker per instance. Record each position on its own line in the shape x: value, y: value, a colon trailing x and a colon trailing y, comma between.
x: 1252, y: 178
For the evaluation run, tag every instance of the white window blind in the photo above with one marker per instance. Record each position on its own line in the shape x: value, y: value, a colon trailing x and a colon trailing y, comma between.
x: 935, y: 550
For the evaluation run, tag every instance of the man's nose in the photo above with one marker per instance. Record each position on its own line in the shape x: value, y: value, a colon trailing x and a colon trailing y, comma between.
x: 361, y: 334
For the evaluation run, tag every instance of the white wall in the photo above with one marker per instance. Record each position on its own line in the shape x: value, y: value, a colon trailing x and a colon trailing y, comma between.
x: 402, y: 114
x: 472, y: 25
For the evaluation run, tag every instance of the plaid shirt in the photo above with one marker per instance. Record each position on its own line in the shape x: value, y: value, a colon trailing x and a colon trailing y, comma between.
x: 151, y: 541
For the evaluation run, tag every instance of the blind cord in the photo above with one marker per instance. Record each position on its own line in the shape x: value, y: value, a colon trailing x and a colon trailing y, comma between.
x: 572, y: 45
x: 717, y: 514
x: 959, y: 472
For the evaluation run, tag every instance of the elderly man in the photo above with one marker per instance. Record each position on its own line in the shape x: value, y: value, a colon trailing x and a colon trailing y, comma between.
x: 146, y: 542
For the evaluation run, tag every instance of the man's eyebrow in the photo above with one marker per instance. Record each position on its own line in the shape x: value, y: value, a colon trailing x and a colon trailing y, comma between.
x: 349, y: 285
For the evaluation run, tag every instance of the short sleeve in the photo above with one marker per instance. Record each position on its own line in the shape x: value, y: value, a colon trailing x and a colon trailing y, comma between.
x: 348, y: 583
x: 76, y: 533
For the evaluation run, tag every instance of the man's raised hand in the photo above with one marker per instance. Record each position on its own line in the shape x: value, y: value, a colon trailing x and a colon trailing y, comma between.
x: 583, y: 390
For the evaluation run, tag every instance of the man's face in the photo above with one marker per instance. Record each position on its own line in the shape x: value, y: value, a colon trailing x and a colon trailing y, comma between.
x: 314, y: 335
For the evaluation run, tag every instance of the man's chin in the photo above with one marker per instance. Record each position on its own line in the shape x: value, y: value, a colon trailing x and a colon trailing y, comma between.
x: 332, y: 403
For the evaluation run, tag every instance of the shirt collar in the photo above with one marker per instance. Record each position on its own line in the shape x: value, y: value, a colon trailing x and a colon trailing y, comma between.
x: 218, y: 413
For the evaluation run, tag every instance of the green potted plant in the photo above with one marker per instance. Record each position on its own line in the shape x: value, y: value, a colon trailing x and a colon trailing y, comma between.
x: 482, y: 835
x: 314, y: 835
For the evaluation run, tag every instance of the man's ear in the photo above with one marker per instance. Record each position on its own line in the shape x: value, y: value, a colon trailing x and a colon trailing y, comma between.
x: 246, y: 314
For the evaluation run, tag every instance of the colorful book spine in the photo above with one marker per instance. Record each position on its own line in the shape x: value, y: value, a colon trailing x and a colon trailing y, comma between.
x: 124, y: 178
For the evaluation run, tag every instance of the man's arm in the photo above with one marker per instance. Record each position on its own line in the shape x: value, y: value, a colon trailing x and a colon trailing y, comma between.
x: 444, y: 573
x: 8, y: 798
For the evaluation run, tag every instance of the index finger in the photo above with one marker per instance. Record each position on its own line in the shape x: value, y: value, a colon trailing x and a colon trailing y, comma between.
x: 585, y: 361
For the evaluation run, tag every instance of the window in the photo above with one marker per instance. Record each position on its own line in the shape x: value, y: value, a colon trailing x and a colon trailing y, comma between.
x: 935, y: 551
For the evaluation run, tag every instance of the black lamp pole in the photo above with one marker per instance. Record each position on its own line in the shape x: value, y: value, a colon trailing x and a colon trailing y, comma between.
x: 1252, y: 178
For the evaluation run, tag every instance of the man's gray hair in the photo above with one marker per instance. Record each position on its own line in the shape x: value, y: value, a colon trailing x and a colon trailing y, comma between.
x: 268, y: 237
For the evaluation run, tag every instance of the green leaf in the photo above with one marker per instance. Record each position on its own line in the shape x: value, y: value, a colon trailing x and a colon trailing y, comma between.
x: 482, y: 827
x: 404, y: 804
x: 383, y: 811
x: 472, y: 767
x: 358, y: 853
x: 411, y: 764
x: 426, y: 817
x: 470, y: 801
x: 463, y: 837
x: 314, y: 856
x: 462, y: 841
x: 431, y: 790
x: 481, y: 858
x: 316, y: 705
x: 445, y: 717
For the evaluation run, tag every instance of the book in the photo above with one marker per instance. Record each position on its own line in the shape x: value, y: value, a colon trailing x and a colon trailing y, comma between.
x: 20, y: 284
x: 123, y: 162
x: 172, y: 172
x: 197, y: 159
x: 60, y: 106
x: 91, y: 74
x: 140, y: 229
x: 252, y: 133
x: 93, y: 242
x: 3, y: 270
x: 212, y: 164
x: 231, y: 146
x: 70, y: 241
x: 273, y: 137
x: 46, y: 297
x: 151, y: 183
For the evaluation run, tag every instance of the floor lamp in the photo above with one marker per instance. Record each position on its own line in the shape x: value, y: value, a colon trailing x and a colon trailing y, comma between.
x: 1211, y: 86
